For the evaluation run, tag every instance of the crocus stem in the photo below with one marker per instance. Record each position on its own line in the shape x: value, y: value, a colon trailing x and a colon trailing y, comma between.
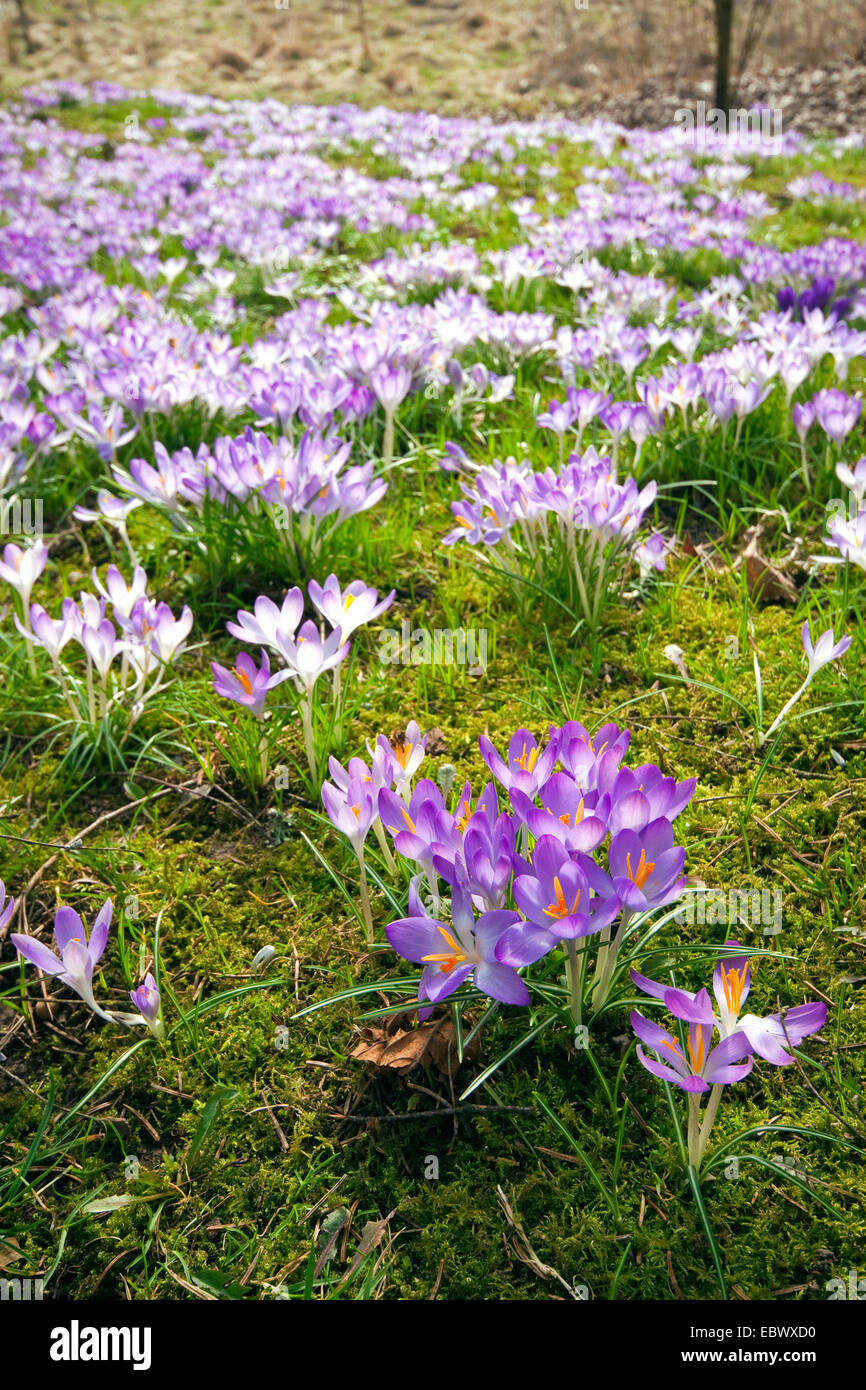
x: 782, y: 713
x: 573, y: 974
x: 581, y: 589
x: 65, y: 688
x: 708, y: 1121
x: 337, y: 696
x: 365, y: 898
x: 607, y: 958
x: 307, y: 722
x: 263, y: 755
x: 694, y: 1130
x: 381, y: 837
x: 388, y: 441
x: 91, y: 700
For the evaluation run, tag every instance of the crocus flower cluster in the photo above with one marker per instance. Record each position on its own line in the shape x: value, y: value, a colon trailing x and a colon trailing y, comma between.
x: 299, y: 493
x: 818, y: 296
x: 595, y: 531
x: 692, y: 1063
x: 305, y: 652
x: 563, y: 844
x: 126, y: 656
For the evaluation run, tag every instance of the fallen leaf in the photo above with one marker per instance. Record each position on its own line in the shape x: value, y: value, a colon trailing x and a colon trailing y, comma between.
x: 767, y: 583
x: 430, y: 1044
x: 436, y: 746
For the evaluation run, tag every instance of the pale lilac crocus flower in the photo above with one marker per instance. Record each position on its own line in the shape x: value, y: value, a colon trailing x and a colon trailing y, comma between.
x: 307, y: 658
x: 246, y: 683
x: 147, y: 1000
x: 352, y: 811
x: 348, y: 608
x: 407, y: 751
x: 77, y: 954
x: 821, y: 654
x: 391, y: 386
x: 114, y: 510
x: 121, y: 595
x: 267, y: 622
x: 854, y: 479
x: 22, y: 567
x: 6, y: 908
x: 849, y: 538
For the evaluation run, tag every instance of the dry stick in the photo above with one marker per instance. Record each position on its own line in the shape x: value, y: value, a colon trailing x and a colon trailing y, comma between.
x: 428, y: 1114
x: 88, y: 830
x: 367, y: 56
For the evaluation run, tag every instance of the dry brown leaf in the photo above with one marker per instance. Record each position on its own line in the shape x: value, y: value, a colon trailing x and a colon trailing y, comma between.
x: 767, y: 583
x: 399, y: 1049
x: 436, y: 747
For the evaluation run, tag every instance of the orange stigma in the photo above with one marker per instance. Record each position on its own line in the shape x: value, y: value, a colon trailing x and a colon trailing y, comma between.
x: 643, y: 870
x: 447, y: 959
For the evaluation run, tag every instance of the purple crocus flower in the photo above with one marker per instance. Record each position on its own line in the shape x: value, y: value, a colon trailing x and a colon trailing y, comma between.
x: 246, y: 683
x: 578, y: 749
x: 527, y: 766
x: 700, y: 1065
x: 837, y: 413
x: 577, y: 818
x: 645, y: 867
x: 804, y: 418
x: 52, y: 634
x: 6, y: 908
x: 147, y: 1000
x: 416, y: 826
x: 556, y: 900
x: 485, y: 853
x: 769, y: 1037
x: 391, y: 385
x: 453, y: 954
x: 101, y: 645
x: 78, y: 955
x: 351, y: 811
x: 643, y: 794
x: 732, y: 981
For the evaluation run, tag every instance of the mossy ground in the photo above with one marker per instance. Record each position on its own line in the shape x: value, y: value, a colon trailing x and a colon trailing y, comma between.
x: 247, y: 1127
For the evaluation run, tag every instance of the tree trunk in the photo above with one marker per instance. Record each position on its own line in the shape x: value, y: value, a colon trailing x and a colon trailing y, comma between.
x: 724, y: 30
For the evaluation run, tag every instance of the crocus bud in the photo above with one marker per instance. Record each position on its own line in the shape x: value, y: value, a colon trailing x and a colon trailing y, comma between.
x: 263, y: 957
x: 446, y: 777
x: 147, y: 1000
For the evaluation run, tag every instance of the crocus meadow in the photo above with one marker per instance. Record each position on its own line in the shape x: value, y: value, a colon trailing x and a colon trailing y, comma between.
x: 272, y: 378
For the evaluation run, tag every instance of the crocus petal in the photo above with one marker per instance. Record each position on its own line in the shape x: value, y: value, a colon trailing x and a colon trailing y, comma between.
x: 37, y: 954
x: 501, y: 982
